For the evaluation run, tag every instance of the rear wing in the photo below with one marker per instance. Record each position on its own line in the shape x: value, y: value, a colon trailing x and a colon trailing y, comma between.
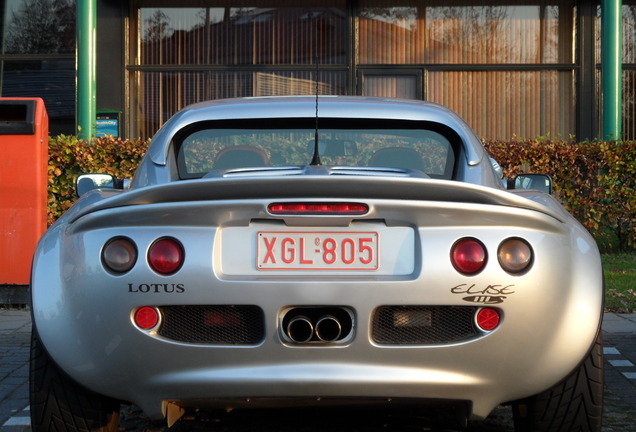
x: 322, y: 187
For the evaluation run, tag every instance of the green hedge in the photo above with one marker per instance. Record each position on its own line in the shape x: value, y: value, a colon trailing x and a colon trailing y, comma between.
x: 595, y: 181
x: 69, y: 157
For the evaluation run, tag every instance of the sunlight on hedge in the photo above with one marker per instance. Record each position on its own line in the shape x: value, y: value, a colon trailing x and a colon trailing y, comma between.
x: 69, y: 157
x: 595, y: 181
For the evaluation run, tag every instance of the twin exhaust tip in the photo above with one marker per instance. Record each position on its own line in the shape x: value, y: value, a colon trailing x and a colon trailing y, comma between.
x: 317, y: 325
x: 302, y: 330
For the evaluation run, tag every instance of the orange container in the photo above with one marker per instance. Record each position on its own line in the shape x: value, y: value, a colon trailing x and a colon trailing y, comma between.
x: 24, y: 131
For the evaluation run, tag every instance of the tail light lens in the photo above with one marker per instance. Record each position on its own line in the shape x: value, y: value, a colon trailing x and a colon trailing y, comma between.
x: 515, y: 255
x: 166, y: 256
x: 119, y: 255
x: 469, y: 256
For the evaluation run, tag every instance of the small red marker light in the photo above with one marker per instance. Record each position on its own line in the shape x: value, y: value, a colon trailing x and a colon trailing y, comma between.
x: 146, y: 317
x: 488, y: 319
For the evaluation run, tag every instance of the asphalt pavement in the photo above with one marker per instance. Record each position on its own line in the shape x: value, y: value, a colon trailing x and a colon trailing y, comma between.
x: 619, y: 332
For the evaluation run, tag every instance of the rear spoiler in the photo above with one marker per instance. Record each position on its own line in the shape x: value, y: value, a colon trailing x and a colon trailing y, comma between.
x: 322, y: 187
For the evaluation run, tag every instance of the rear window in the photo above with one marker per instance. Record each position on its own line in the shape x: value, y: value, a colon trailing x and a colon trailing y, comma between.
x: 230, y: 145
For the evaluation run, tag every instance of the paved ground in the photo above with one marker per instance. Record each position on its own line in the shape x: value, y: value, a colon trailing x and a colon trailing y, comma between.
x: 620, y: 395
x: 620, y: 372
x: 15, y: 336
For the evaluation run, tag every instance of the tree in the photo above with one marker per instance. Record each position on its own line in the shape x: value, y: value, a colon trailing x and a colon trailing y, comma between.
x: 42, y: 27
x: 157, y: 27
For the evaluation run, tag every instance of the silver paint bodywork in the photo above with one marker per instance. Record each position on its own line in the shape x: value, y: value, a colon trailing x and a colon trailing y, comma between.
x: 83, y: 313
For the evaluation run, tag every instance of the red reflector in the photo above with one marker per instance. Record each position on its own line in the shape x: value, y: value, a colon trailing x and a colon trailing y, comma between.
x: 318, y: 208
x: 146, y: 317
x: 468, y: 256
x: 488, y: 318
x: 166, y: 256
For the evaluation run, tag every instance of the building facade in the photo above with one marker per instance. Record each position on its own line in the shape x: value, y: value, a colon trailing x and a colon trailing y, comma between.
x: 510, y: 68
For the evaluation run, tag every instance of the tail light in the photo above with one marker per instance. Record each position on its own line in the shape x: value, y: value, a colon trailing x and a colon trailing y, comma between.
x: 469, y: 256
x: 166, y: 256
x: 119, y: 255
x: 515, y: 255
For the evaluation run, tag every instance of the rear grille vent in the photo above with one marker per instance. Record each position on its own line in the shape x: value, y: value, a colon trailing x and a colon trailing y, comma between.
x: 423, y: 325
x: 219, y: 325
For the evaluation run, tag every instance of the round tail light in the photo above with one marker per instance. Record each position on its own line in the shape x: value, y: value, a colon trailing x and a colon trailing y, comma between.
x: 468, y: 256
x: 119, y: 255
x: 146, y: 317
x: 166, y: 256
x: 515, y: 255
x: 488, y: 319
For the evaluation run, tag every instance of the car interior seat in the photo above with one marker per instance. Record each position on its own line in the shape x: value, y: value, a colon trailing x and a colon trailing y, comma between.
x: 240, y: 157
x: 397, y: 157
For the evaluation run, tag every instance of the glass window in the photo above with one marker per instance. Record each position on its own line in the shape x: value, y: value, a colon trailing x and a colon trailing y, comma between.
x: 500, y: 105
x: 38, y: 27
x: 447, y: 39
x: 629, y: 103
x: 457, y: 32
x: 173, y: 36
x: 229, y: 49
x: 411, y: 49
x: 388, y: 84
x: 391, y: 33
x: 629, y: 72
x: 261, y: 34
x: 629, y: 31
x: 159, y: 95
x: 38, y: 56
x: 53, y: 81
x: 218, y: 146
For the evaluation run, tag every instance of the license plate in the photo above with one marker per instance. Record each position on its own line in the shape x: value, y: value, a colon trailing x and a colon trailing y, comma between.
x: 318, y: 250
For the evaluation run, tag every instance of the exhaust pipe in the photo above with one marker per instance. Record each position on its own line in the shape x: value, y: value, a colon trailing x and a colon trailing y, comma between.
x: 328, y: 329
x: 300, y: 329
x: 316, y: 325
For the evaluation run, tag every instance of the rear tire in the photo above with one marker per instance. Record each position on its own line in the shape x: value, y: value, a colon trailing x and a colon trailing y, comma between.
x: 59, y: 404
x: 573, y: 405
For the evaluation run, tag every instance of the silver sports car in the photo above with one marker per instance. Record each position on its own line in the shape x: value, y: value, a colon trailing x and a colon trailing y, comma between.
x: 288, y: 251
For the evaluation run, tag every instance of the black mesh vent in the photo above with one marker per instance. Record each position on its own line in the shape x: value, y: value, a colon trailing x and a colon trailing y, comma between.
x: 423, y: 325
x: 221, y: 325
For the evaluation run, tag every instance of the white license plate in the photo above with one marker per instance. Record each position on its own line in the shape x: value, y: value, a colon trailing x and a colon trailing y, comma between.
x: 317, y: 250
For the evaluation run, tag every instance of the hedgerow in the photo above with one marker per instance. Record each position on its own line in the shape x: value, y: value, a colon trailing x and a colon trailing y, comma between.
x: 595, y: 181
x: 69, y: 156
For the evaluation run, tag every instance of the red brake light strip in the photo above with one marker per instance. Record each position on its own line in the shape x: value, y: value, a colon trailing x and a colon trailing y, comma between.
x: 314, y: 208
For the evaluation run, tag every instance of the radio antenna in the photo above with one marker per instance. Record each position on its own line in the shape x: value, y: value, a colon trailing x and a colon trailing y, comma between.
x: 315, y: 160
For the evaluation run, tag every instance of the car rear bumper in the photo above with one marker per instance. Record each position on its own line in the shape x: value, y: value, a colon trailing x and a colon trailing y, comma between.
x: 516, y: 360
x: 550, y: 318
